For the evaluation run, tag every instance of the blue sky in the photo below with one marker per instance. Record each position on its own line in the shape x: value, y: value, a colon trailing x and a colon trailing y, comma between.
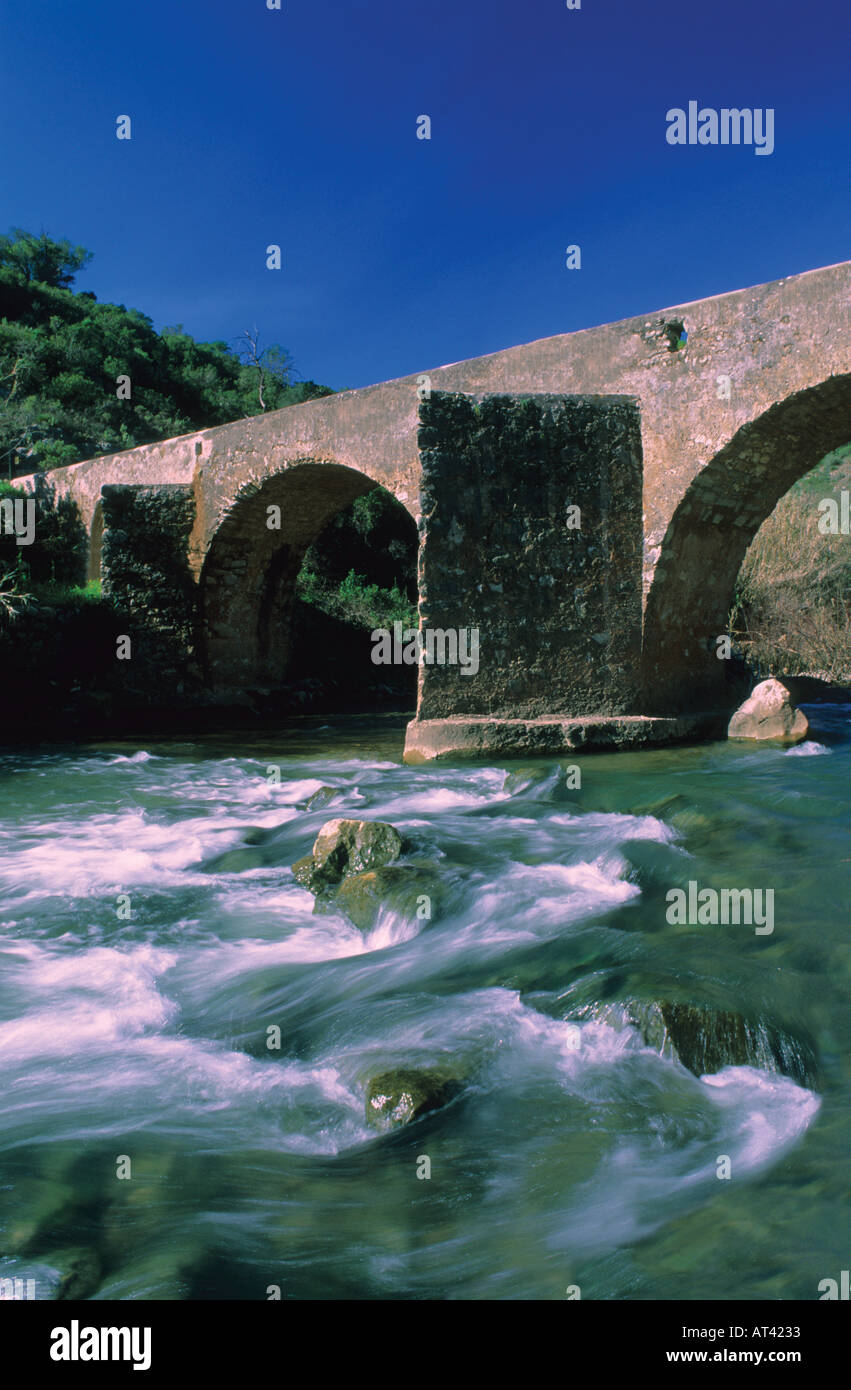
x: 298, y: 127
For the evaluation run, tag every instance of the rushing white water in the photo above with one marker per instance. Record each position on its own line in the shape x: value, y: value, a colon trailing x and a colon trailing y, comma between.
x: 153, y: 935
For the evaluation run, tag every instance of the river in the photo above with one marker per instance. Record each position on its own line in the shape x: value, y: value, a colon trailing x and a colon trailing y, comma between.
x: 153, y: 1145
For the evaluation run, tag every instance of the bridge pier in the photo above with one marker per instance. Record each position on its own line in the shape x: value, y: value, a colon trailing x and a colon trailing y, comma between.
x: 146, y: 574
x: 531, y: 535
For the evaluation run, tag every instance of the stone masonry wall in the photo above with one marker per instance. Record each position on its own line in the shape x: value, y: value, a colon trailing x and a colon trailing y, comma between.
x: 558, y: 609
x: 146, y: 575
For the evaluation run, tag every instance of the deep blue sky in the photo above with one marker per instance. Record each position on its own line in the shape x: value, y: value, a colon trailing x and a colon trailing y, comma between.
x: 298, y: 127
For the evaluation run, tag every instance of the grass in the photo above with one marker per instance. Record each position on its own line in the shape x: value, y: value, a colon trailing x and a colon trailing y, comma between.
x: 18, y: 595
x: 52, y: 592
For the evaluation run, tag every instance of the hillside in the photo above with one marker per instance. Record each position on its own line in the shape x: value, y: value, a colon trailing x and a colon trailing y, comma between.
x: 79, y: 377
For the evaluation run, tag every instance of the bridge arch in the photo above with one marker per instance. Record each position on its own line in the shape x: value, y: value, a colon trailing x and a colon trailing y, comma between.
x: 705, y: 543
x: 247, y: 581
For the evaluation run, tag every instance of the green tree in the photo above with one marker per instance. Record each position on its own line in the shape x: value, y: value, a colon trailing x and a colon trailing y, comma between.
x: 61, y: 354
x: 25, y: 258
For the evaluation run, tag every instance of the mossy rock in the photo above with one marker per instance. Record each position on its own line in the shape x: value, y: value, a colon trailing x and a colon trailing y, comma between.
x: 706, y: 1039
x: 303, y: 870
x: 403, y: 888
x: 396, y: 1098
x: 346, y: 847
x: 321, y: 797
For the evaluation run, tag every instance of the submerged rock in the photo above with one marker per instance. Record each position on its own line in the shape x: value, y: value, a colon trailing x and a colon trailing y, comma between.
x: 544, y: 782
x: 768, y: 713
x: 706, y: 1040
x: 237, y: 861
x: 652, y: 866
x: 321, y: 797
x: 346, y: 847
x: 398, y: 1097
x: 256, y: 850
x: 404, y: 888
x: 80, y: 1273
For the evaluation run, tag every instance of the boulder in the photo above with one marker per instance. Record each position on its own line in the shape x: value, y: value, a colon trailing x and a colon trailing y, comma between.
x: 768, y: 713
x: 303, y: 870
x: 396, y: 1098
x: 706, y: 1039
x: 346, y: 847
x: 401, y: 887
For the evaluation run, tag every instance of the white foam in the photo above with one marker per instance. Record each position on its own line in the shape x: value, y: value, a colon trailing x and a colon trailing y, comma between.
x: 326, y: 937
x: 455, y: 792
x: 620, y: 827
x: 529, y: 900
x: 104, y: 854
x: 768, y: 1112
x: 87, y: 1001
x: 808, y: 749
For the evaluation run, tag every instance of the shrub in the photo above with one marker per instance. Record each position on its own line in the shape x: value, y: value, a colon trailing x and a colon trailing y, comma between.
x: 792, y: 609
x: 355, y: 601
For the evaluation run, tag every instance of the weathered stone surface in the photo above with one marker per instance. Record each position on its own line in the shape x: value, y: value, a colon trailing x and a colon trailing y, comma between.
x: 402, y: 887
x: 553, y: 594
x: 345, y: 847
x: 768, y: 713
x: 145, y: 536
x: 428, y: 739
x: 144, y: 558
x: 398, y: 1097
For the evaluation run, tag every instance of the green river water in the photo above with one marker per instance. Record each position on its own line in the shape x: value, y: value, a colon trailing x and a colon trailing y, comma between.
x: 575, y: 1155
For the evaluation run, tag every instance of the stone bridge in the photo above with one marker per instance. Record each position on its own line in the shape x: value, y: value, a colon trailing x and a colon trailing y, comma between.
x: 674, y: 433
